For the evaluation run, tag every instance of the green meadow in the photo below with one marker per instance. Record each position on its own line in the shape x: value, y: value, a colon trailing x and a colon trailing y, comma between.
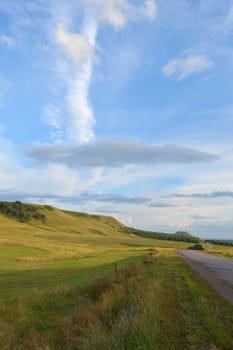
x: 75, y: 281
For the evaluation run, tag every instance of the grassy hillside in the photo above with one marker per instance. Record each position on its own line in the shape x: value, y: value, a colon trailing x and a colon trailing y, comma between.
x: 62, y: 248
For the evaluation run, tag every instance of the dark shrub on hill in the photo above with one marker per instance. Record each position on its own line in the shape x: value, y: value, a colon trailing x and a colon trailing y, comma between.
x: 48, y: 207
x: 20, y: 211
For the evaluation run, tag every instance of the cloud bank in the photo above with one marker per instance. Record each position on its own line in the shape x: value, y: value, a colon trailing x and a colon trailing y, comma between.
x: 215, y: 194
x: 83, y: 197
x: 116, y: 153
x: 162, y: 205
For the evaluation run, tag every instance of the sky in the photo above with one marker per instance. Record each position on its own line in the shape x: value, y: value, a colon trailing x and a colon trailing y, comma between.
x: 122, y: 108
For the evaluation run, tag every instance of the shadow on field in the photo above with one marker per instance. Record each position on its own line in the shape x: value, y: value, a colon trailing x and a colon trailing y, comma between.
x: 67, y: 273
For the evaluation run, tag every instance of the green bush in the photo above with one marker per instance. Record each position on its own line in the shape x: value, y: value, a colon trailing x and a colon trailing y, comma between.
x: 21, y: 211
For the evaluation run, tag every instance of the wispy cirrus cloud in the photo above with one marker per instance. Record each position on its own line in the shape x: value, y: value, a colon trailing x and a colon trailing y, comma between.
x: 51, y: 115
x: 79, y: 47
x: 77, y: 55
x: 118, y: 13
x: 7, y: 40
x: 116, y: 153
x: 182, y: 68
x: 76, y: 46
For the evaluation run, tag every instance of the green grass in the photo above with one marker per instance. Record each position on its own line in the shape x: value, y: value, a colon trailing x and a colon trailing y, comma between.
x: 162, y: 306
x: 10, y: 253
x: 70, y: 272
x: 158, y: 304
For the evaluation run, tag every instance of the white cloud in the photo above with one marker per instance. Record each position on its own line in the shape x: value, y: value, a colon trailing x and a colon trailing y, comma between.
x: 149, y: 9
x: 79, y: 58
x: 110, y: 11
x: 76, y: 46
x: 182, y: 68
x: 51, y: 115
x: 82, y: 121
x: 7, y: 40
x: 126, y: 220
x: 55, y: 179
x: 118, y: 12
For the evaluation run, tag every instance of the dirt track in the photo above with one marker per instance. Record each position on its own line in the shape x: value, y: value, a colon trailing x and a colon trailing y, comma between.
x: 216, y: 270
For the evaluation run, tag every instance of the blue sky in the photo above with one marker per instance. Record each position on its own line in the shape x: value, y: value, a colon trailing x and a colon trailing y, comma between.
x: 120, y: 107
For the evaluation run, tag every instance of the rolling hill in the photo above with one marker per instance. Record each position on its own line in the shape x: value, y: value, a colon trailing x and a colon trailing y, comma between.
x: 44, y: 247
x: 49, y: 218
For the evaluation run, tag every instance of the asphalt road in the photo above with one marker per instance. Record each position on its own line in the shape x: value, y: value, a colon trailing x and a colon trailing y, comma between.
x: 216, y: 270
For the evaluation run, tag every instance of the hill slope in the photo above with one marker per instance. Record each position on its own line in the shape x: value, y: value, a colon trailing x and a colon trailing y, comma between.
x: 48, y: 217
x: 53, y: 247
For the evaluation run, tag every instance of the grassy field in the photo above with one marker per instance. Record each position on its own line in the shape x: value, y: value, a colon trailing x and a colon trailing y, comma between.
x: 66, y: 250
x: 155, y: 304
x: 78, y: 282
x: 224, y: 251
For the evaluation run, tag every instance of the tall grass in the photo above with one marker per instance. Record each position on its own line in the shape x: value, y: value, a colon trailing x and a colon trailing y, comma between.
x: 158, y: 304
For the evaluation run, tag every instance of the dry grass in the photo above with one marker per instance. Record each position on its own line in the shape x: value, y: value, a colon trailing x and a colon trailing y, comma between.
x: 225, y: 251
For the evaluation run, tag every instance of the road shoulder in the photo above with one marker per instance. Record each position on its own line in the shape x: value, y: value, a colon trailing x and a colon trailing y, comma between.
x: 221, y: 286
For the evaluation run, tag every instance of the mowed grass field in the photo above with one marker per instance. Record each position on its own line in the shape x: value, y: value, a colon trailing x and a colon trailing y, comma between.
x: 68, y: 249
